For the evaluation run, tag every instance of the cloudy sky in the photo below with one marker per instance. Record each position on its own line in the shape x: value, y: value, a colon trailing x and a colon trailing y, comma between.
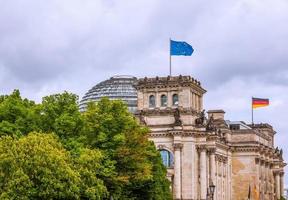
x: 240, y: 47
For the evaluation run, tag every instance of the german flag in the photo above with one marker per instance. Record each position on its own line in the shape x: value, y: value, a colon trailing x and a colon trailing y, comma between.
x: 257, y: 102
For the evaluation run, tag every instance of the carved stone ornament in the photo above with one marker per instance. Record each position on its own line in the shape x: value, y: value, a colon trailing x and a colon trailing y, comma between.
x: 211, y: 150
x: 178, y: 121
x: 201, y: 120
x: 142, y: 118
x: 221, y: 158
x: 210, y: 124
x: 201, y: 148
x: 178, y: 146
x: 162, y: 146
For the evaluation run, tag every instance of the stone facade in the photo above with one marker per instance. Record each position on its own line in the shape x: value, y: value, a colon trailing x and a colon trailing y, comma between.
x: 201, y: 150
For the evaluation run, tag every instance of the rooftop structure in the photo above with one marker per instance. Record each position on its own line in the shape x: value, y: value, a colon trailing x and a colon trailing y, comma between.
x: 117, y: 87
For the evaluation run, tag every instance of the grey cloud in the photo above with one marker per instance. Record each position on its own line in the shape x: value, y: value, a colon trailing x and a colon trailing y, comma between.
x: 240, y: 48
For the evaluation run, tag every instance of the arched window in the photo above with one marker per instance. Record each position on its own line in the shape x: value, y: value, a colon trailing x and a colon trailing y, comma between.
x: 151, y: 101
x: 175, y: 99
x: 163, y: 100
x: 167, y: 158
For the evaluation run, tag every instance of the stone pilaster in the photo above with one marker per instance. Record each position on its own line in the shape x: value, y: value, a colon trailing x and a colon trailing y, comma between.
x: 177, y: 170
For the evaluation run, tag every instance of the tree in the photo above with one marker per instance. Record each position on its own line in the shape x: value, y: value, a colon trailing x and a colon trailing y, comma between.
x: 158, y: 187
x: 110, y: 127
x: 38, y: 167
x: 17, y: 115
x: 100, y: 153
x: 60, y: 114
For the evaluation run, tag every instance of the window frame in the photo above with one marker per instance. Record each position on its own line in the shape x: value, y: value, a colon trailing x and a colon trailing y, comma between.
x: 162, y: 103
x: 174, y: 102
x: 168, y: 162
x: 152, y: 105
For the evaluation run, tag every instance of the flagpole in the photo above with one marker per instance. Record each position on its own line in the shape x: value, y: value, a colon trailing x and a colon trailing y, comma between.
x: 170, y: 57
x: 252, y: 111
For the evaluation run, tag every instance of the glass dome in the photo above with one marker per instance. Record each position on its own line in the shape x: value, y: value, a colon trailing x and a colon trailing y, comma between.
x: 117, y: 87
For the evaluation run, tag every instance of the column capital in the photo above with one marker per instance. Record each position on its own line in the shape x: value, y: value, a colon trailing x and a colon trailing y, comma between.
x: 201, y: 147
x: 178, y: 146
x: 211, y: 150
x: 257, y: 160
x: 221, y: 158
x: 277, y: 171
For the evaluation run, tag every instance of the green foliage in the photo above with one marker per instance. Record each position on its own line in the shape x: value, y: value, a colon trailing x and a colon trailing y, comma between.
x: 93, y: 155
x: 141, y: 175
x: 38, y: 167
x: 60, y: 114
x: 17, y: 115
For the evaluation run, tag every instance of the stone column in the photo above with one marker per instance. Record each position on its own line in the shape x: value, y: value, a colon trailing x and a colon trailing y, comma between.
x: 262, y: 180
x: 281, y: 184
x: 267, y: 186
x: 169, y: 99
x: 203, y: 170
x: 196, y: 102
x: 157, y: 100
x: 216, y: 181
x: 200, y: 103
x: 277, y: 180
x: 193, y: 101
x: 271, y: 181
x: 177, y: 170
x: 212, y: 165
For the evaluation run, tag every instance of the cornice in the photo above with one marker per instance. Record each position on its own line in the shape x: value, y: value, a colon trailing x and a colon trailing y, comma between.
x: 167, y: 110
x: 176, y: 132
x: 222, y: 146
x: 244, y: 148
x: 158, y: 135
x: 251, y: 131
x: 169, y: 82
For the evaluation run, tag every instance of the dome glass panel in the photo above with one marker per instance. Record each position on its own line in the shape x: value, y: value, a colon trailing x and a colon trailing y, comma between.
x: 117, y: 87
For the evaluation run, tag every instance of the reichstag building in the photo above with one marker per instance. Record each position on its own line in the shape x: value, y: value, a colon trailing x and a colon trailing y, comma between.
x: 201, y: 150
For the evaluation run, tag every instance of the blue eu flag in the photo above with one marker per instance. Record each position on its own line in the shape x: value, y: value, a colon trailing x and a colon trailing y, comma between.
x: 180, y: 48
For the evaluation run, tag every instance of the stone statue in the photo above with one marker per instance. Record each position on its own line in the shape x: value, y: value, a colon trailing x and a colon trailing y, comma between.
x: 210, y: 124
x: 201, y: 119
x: 276, y: 150
x: 178, y: 121
x: 141, y: 117
x: 219, y: 133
